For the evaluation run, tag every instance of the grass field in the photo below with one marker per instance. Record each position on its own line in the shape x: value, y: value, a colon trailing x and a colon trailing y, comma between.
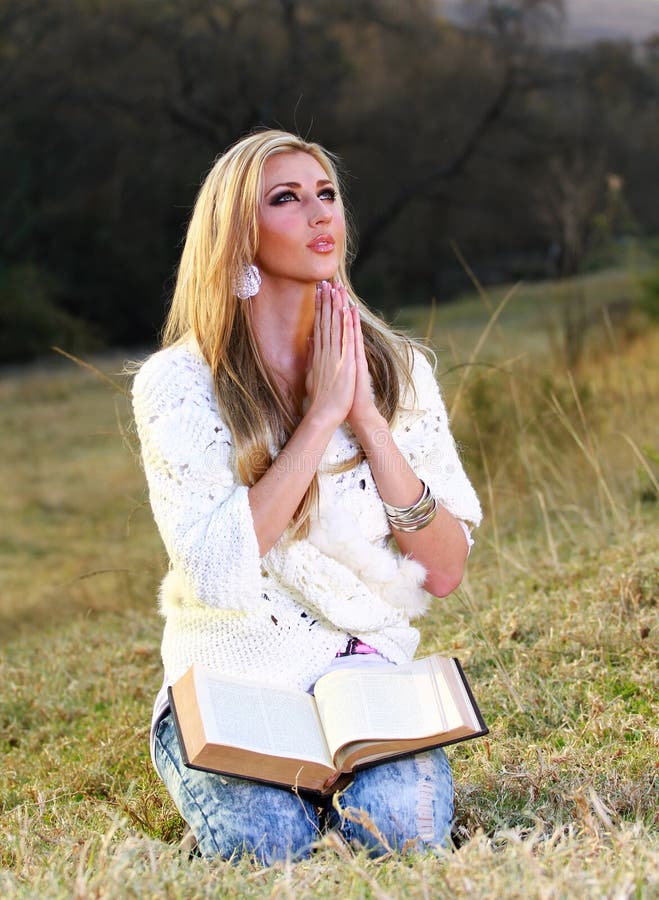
x: 556, y: 625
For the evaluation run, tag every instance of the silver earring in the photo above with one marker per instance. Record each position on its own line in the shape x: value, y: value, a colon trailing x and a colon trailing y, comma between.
x: 247, y: 283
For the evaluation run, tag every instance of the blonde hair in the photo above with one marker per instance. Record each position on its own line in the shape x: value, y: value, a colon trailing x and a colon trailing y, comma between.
x: 222, y: 238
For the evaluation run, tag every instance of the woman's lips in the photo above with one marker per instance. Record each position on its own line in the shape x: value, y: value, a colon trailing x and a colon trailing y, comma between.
x: 324, y: 243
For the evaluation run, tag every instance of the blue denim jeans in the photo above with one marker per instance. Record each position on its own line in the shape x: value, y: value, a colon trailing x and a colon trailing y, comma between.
x: 402, y: 804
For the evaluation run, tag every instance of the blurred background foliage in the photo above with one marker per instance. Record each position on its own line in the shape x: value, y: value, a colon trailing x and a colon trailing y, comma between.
x: 535, y: 157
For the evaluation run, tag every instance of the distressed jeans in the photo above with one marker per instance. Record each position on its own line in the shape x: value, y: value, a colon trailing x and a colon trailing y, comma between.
x: 402, y: 804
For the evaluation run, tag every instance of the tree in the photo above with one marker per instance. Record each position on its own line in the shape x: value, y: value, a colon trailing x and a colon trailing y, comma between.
x: 112, y: 110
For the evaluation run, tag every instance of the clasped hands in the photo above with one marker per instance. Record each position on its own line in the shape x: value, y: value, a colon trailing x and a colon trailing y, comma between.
x: 338, y: 383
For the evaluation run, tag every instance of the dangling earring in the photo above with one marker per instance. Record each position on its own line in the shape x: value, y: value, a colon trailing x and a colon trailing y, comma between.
x: 247, y: 282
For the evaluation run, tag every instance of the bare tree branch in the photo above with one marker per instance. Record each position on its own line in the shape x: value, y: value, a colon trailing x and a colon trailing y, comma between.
x: 419, y: 184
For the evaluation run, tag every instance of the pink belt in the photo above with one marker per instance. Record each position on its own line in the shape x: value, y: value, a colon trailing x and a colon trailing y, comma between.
x: 354, y: 647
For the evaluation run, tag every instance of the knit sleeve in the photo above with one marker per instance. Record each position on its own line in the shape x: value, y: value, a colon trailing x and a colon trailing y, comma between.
x: 202, y: 513
x: 424, y: 437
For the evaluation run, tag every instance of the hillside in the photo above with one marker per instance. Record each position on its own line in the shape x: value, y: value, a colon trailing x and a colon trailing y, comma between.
x: 592, y: 20
x: 556, y: 625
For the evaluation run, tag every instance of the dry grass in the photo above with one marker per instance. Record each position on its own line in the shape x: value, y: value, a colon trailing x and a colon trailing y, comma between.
x: 556, y: 625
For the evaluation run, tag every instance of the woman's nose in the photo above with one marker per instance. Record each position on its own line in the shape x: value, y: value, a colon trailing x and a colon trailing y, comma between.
x: 320, y: 212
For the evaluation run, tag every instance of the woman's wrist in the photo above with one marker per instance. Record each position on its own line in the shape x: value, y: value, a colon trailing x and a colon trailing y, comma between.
x: 320, y: 419
x: 372, y: 432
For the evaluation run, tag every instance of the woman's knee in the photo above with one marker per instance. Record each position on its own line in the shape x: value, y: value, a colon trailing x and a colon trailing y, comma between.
x: 231, y: 816
x: 400, y: 805
x: 265, y: 822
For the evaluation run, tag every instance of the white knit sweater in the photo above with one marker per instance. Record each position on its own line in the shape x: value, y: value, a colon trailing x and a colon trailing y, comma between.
x: 282, y: 617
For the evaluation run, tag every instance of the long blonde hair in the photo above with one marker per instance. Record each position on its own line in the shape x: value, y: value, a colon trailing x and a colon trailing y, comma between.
x: 222, y: 238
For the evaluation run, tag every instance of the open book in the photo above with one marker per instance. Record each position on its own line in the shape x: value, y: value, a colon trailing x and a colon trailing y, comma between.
x: 356, y: 717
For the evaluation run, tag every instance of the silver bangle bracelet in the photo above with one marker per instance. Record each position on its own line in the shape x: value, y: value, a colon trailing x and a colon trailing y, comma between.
x: 405, y: 510
x: 418, y: 523
x: 414, y: 517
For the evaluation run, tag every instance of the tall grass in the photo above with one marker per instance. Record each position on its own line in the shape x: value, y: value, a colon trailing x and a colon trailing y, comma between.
x: 556, y: 625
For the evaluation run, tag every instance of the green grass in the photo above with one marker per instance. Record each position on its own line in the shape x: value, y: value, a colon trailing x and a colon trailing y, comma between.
x: 556, y: 625
x: 533, y: 316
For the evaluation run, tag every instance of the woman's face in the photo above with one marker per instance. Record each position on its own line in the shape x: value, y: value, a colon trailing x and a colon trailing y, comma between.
x: 301, y: 221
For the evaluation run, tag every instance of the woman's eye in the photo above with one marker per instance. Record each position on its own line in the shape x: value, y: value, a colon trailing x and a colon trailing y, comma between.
x: 288, y: 196
x: 284, y: 197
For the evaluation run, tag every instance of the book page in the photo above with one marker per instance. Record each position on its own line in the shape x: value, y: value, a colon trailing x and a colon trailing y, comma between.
x: 397, y: 703
x: 375, y: 705
x: 451, y: 692
x: 259, y: 718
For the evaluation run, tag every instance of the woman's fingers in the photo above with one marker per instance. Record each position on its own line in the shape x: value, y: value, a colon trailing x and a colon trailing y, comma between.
x: 360, y: 353
x: 317, y: 327
x: 329, y: 319
x: 363, y: 403
x: 331, y: 379
x: 325, y: 315
x: 329, y: 325
x: 348, y: 337
x: 337, y: 322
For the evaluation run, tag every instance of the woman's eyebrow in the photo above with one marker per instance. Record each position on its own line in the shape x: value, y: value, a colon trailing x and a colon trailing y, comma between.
x: 296, y: 185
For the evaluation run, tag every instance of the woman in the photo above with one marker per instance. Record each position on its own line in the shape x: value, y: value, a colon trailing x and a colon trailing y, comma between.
x: 306, y: 487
